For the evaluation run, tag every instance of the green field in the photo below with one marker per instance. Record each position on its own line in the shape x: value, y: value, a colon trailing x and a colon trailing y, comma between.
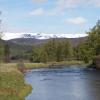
x: 52, y: 64
x: 12, y: 85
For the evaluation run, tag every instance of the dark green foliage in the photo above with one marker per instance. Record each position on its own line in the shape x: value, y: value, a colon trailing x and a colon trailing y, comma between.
x: 67, y: 50
x: 1, y: 50
x: 36, y: 54
x: 91, y: 48
x: 43, y: 55
x: 59, y: 51
x: 53, y: 50
x: 94, y: 39
x: 83, y: 52
x: 50, y: 49
x: 98, y: 49
x: 7, y: 53
x: 4, y: 52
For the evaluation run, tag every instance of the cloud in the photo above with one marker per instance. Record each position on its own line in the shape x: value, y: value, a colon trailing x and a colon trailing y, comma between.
x: 67, y: 4
x: 39, y: 1
x: 70, y: 3
x: 37, y: 12
x: 63, y: 4
x: 77, y: 20
x: 96, y: 3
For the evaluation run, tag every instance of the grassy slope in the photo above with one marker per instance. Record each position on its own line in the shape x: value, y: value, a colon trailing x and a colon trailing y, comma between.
x: 12, y: 85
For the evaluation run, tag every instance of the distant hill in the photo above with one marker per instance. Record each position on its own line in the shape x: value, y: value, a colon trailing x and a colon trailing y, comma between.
x: 2, y: 41
x: 33, y: 41
x: 20, y: 45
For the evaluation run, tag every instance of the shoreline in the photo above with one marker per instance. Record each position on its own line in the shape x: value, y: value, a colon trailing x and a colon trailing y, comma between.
x: 29, y: 66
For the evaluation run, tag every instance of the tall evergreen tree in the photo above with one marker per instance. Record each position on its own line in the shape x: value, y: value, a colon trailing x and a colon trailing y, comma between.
x: 67, y: 49
x: 94, y: 38
x: 6, y: 53
x: 50, y: 49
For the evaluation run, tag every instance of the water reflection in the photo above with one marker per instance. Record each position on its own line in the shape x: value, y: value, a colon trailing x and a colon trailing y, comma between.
x: 71, y: 83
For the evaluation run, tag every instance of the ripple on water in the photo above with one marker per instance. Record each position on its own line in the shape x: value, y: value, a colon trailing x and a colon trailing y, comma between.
x: 64, y: 84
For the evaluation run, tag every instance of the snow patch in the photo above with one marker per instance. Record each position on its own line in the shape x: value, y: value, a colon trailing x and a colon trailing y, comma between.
x: 8, y: 36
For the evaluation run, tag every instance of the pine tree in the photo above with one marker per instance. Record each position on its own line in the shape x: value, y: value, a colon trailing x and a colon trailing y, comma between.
x: 7, y: 53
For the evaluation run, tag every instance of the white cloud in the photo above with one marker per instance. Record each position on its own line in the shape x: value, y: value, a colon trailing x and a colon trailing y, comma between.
x: 39, y: 1
x: 77, y: 20
x: 63, y: 4
x: 37, y: 12
x: 66, y: 4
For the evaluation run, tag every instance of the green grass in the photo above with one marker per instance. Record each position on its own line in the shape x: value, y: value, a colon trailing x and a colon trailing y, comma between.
x: 69, y: 63
x: 13, y: 66
x: 46, y: 65
x: 36, y: 65
x: 12, y: 85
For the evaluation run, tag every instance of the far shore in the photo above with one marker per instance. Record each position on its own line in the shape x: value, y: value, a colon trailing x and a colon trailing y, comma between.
x: 29, y: 66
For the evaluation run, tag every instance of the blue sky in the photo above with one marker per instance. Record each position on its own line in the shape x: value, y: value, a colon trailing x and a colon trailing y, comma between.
x: 49, y: 16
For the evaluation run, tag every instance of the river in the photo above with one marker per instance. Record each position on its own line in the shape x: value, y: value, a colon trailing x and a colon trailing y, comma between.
x: 67, y: 83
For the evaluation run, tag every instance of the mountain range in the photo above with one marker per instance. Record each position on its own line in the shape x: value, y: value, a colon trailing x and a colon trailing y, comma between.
x: 8, y: 36
x: 37, y: 42
x: 25, y: 42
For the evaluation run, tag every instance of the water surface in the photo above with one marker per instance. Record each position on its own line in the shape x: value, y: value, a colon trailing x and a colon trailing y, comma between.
x: 71, y: 83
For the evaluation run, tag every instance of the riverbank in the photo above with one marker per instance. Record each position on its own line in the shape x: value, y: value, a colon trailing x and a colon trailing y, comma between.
x: 52, y: 64
x: 12, y: 84
x: 45, y: 65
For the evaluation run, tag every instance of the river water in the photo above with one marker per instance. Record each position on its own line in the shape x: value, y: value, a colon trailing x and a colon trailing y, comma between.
x: 71, y: 83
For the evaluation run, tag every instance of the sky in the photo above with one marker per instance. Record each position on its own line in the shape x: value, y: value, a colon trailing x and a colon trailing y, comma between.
x: 49, y: 16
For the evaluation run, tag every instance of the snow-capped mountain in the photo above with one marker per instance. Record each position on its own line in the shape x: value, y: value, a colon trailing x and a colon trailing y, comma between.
x: 8, y: 36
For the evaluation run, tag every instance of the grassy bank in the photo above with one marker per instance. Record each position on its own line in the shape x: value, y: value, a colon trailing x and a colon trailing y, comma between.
x: 52, y: 64
x: 12, y: 85
x: 43, y: 65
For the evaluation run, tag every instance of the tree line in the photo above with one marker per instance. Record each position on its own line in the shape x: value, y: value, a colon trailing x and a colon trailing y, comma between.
x: 56, y: 50
x: 61, y: 50
x: 53, y: 50
x: 88, y: 50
